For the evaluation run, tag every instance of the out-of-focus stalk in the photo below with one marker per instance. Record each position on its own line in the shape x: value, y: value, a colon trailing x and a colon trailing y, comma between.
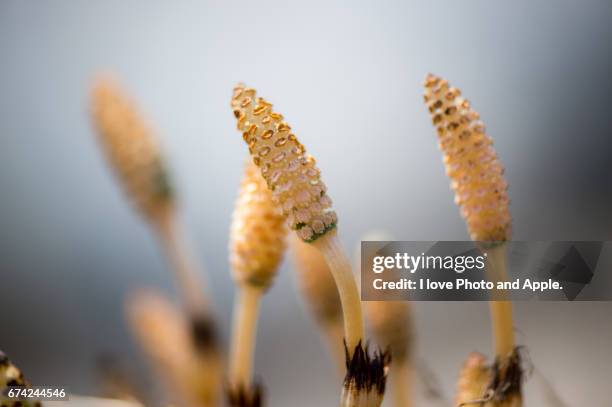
x: 320, y: 293
x: 117, y: 381
x: 474, y: 377
x: 257, y: 245
x: 391, y: 325
x: 133, y: 153
x: 185, y: 364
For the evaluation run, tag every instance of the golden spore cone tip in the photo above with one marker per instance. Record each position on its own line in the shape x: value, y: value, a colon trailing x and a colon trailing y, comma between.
x: 257, y: 233
x: 471, y: 162
x: 292, y: 175
x: 131, y: 148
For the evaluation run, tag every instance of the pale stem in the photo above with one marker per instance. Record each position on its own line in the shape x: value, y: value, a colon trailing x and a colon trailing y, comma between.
x: 340, y: 267
x: 244, y: 334
x: 501, y: 310
x: 182, y: 263
x: 334, y: 332
x: 401, y: 381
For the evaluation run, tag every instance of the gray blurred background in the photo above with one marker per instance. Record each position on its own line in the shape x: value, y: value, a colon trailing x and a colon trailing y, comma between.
x: 347, y: 76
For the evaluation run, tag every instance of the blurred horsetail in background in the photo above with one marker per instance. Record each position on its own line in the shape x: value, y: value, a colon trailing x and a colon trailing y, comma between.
x: 257, y: 246
x: 135, y: 156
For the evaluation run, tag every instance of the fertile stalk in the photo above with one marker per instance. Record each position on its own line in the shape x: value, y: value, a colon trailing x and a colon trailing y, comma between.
x: 294, y: 180
x: 257, y: 244
x: 401, y: 376
x: 320, y: 293
x: 182, y: 262
x: 390, y: 323
x: 244, y: 334
x: 119, y: 381
x: 189, y: 370
x: 132, y: 151
x: 481, y: 192
x: 340, y: 267
x: 483, y: 385
x: 501, y: 310
x: 474, y: 377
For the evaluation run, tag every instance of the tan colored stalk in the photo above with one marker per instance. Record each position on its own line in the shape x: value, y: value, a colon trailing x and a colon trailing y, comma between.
x: 481, y: 192
x: 244, y: 334
x: 182, y: 263
x: 188, y: 370
x: 340, y: 266
x: 474, y: 378
x: 133, y: 152
x: 474, y: 386
x: 501, y: 311
x: 320, y: 293
x: 118, y: 381
x: 134, y: 155
x: 257, y: 244
x: 402, y: 378
x: 296, y: 186
x: 390, y: 324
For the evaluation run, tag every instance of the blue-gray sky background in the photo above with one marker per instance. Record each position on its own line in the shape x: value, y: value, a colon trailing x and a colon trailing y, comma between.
x: 347, y: 76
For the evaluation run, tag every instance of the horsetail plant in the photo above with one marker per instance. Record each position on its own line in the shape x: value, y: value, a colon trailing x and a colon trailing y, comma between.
x: 319, y: 290
x: 167, y: 339
x: 390, y: 324
x: 474, y: 377
x: 257, y: 245
x: 134, y: 155
x: 481, y: 192
x: 294, y: 180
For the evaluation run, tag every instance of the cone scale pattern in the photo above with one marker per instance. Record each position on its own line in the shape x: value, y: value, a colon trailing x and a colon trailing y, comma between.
x: 257, y: 236
x: 291, y: 174
x: 471, y: 162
